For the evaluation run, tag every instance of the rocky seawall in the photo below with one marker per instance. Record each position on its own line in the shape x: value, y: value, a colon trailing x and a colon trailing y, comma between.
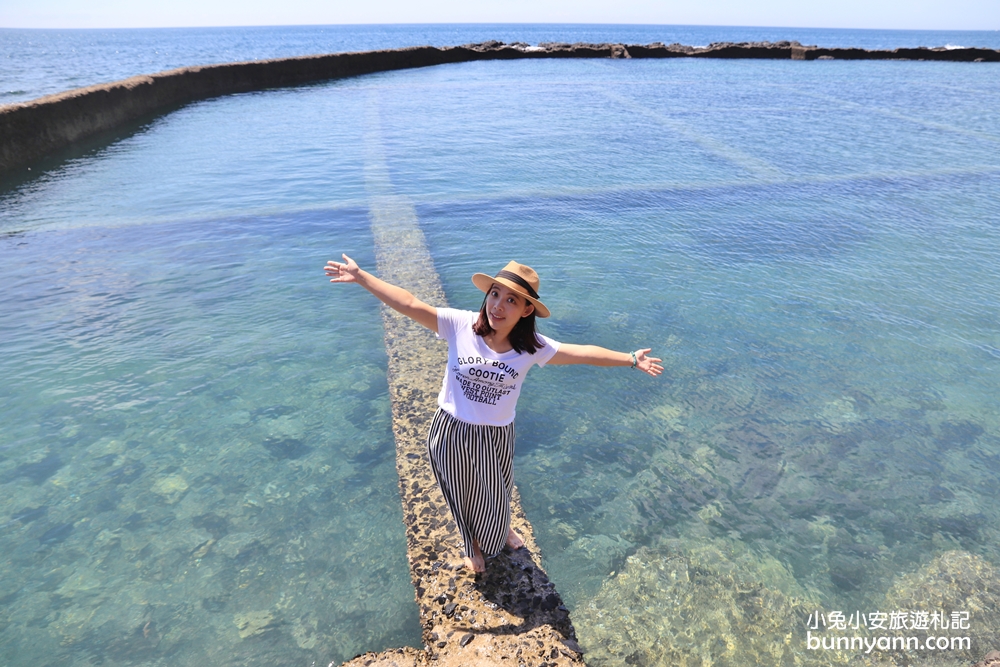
x: 32, y: 130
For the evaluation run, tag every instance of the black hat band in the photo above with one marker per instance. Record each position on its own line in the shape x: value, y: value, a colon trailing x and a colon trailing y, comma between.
x: 519, y: 280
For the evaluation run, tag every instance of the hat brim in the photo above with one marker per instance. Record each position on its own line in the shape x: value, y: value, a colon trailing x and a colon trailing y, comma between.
x: 484, y: 282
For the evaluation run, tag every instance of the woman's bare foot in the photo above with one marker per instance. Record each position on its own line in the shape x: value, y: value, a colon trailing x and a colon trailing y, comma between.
x: 514, y: 540
x: 476, y: 563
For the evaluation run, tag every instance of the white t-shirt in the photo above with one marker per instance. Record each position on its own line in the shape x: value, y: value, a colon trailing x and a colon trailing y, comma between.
x: 481, y: 386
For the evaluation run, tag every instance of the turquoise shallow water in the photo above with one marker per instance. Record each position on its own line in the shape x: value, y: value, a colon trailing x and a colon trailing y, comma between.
x: 195, y: 453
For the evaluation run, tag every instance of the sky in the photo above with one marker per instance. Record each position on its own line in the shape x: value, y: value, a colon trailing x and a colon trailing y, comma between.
x: 878, y: 14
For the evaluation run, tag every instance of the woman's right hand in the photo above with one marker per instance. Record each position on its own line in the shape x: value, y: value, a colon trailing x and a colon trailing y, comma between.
x: 342, y: 273
x: 395, y: 297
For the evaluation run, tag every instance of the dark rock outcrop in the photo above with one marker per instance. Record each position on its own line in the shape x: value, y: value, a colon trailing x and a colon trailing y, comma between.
x: 991, y: 659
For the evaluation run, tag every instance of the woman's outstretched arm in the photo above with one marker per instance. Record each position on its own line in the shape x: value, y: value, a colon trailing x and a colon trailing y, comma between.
x: 396, y: 298
x: 601, y: 356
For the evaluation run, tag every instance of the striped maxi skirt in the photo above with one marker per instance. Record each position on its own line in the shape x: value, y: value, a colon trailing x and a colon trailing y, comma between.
x: 473, y: 465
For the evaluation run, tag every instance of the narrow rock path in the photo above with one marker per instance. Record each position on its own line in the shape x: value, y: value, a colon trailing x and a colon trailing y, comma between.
x: 511, y: 615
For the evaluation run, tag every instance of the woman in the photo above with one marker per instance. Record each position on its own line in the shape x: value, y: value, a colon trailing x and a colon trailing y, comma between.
x: 471, y: 440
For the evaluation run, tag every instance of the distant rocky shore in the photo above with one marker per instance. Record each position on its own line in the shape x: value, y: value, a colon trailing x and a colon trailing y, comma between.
x: 757, y: 50
x: 32, y: 131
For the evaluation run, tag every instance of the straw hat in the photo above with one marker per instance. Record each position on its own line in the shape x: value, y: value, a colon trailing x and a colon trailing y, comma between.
x: 518, y: 278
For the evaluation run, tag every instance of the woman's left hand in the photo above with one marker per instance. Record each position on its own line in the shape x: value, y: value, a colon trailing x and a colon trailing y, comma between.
x: 646, y: 364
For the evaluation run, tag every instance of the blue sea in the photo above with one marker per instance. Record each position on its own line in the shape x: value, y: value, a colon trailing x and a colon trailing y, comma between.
x: 196, y: 455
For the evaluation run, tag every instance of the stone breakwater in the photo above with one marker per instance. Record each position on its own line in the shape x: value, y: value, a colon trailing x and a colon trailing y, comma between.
x: 32, y: 130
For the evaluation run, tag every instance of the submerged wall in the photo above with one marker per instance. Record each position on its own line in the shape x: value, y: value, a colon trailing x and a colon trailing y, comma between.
x: 32, y: 130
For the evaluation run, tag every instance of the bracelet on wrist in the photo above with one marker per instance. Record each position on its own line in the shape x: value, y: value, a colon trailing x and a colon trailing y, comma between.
x: 634, y: 360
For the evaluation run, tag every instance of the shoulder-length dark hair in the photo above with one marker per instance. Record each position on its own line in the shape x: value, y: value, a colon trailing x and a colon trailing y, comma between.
x: 523, y: 337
